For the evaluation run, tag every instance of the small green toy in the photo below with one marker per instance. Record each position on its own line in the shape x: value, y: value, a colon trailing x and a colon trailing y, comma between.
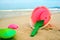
x: 38, y: 25
x: 7, y: 33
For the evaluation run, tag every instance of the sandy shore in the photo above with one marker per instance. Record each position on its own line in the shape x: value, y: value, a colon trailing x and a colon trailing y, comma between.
x: 24, y: 30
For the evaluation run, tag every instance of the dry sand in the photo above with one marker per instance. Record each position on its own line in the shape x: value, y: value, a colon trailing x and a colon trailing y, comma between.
x: 24, y: 30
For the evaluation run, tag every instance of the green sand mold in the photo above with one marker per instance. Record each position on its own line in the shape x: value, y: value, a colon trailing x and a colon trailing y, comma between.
x: 7, y: 33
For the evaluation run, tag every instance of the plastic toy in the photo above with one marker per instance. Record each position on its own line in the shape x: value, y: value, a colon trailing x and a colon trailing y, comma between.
x: 38, y: 25
x: 40, y: 17
x: 13, y: 26
x: 9, y: 32
x: 41, y: 13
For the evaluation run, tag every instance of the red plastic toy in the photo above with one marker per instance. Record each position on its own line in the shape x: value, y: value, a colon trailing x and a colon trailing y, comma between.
x: 41, y: 13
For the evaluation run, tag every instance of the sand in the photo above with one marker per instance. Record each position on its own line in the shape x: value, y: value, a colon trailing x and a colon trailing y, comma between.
x: 24, y: 30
